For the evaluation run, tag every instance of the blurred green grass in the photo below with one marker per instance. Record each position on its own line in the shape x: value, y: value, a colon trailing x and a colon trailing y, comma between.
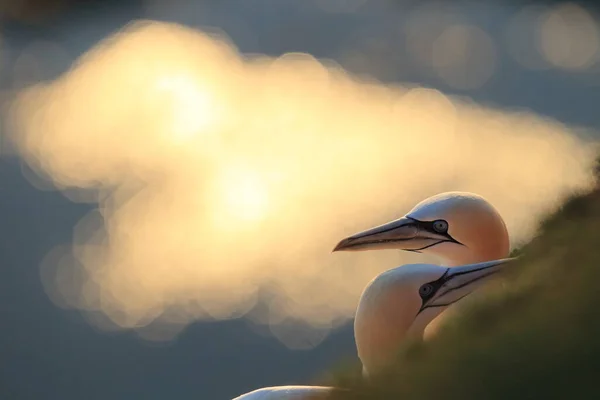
x: 535, y: 335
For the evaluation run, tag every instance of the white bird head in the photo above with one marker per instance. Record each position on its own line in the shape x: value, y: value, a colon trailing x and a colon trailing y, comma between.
x: 401, y: 302
x: 459, y: 227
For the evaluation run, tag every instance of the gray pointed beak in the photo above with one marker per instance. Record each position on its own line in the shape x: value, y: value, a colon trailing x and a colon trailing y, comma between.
x: 404, y: 233
x: 382, y: 236
x: 460, y: 281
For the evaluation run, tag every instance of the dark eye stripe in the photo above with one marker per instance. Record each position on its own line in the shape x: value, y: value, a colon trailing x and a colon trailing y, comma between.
x: 443, y: 279
x: 428, y: 226
x: 468, y: 282
x: 435, y: 286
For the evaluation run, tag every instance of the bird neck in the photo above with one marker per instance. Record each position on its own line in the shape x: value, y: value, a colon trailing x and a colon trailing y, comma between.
x: 379, y: 338
x: 383, y: 318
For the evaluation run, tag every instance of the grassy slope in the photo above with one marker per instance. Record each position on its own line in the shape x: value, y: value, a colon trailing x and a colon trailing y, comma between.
x: 537, y: 336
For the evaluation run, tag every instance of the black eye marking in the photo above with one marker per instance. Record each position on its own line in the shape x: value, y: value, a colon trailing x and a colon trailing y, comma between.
x: 437, y: 285
x: 429, y: 289
x: 440, y: 226
x: 426, y: 291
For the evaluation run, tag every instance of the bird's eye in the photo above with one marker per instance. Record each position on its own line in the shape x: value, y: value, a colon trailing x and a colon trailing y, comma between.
x: 426, y: 290
x: 440, y: 226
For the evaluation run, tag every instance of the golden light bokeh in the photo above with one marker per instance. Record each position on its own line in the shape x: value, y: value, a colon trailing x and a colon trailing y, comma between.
x: 438, y: 38
x: 522, y: 39
x: 224, y: 181
x: 569, y: 37
x: 192, y: 107
x: 464, y: 56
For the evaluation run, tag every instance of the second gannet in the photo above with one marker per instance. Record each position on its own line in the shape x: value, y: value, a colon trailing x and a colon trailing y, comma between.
x: 396, y: 305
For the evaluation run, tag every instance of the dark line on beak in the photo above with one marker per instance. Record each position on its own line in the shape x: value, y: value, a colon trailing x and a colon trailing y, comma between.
x: 386, y: 230
x: 421, y: 226
x: 472, y: 270
x: 403, y: 240
x: 467, y: 283
x: 375, y: 242
x: 431, y: 245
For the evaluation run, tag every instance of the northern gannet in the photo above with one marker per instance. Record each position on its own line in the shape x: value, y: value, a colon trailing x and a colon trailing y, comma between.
x: 397, y: 304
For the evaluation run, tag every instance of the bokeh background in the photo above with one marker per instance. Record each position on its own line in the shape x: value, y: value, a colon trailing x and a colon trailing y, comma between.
x: 525, y: 74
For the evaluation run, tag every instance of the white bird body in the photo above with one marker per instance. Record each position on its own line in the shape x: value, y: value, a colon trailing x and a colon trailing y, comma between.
x: 288, y: 393
x: 461, y: 228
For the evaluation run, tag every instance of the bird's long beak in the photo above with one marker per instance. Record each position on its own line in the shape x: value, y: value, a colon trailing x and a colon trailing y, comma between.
x: 404, y: 233
x: 458, y: 282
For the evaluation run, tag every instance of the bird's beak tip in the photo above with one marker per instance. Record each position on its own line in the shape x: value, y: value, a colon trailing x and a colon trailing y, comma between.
x: 341, y: 245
